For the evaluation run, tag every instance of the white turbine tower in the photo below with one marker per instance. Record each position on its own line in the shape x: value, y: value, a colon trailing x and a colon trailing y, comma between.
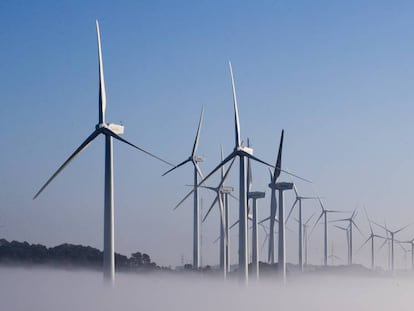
x: 282, y: 187
x: 255, y: 195
x: 298, y: 201
x: 305, y: 227
x: 110, y: 131
x: 194, y: 159
x: 392, y: 234
x: 324, y: 214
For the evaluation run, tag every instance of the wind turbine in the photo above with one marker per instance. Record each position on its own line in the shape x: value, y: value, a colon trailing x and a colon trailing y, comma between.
x: 346, y: 230
x: 194, y: 159
x: 351, y: 223
x: 392, y: 233
x: 411, y: 242
x: 371, y: 237
x: 324, y: 214
x: 299, y: 201
x: 332, y: 256
x: 110, y: 131
x: 220, y: 190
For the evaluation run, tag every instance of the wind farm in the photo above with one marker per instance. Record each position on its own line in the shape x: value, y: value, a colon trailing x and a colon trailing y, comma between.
x: 228, y: 148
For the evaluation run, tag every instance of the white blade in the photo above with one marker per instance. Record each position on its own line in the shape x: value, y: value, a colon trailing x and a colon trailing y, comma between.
x: 177, y: 166
x: 309, y: 219
x: 317, y: 221
x: 72, y: 156
x: 197, y: 138
x: 102, y: 92
x: 278, y: 166
x: 233, y: 225
x: 291, y: 209
x: 218, y: 197
x: 236, y: 110
x: 108, y: 132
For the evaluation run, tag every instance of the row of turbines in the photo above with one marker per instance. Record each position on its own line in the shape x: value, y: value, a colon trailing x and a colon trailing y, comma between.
x: 245, y: 194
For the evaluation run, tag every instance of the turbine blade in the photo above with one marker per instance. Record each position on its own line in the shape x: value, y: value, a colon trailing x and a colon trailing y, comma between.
x: 211, y: 207
x: 72, y: 156
x: 309, y: 219
x: 341, y: 228
x: 207, y: 187
x: 383, y: 244
x: 291, y: 209
x: 233, y: 225
x: 295, y: 189
x: 233, y: 196
x: 363, y: 244
x: 221, y: 158
x: 369, y: 221
x: 236, y: 110
x: 320, y: 203
x: 102, y: 92
x: 319, y: 218
x: 356, y: 226
x: 183, y: 199
x: 197, y: 138
x: 107, y: 131
x: 309, y: 198
x: 177, y: 166
x: 402, y: 228
x: 353, y: 214
x: 278, y: 165
x: 198, y: 169
x: 229, y: 157
x: 208, y: 176
x: 385, y: 228
x: 222, y: 218
x: 339, y: 220
x: 263, y: 220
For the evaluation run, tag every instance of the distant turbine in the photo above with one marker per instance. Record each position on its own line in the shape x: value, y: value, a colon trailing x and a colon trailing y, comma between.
x: 110, y: 131
x: 332, y: 256
x: 346, y: 230
x: 220, y: 190
x: 392, y: 233
x: 371, y: 237
x: 411, y: 242
x: 194, y: 159
x: 299, y: 200
x: 324, y: 213
x: 351, y: 223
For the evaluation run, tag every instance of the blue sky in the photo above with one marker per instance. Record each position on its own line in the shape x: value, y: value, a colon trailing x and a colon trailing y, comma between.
x: 336, y: 75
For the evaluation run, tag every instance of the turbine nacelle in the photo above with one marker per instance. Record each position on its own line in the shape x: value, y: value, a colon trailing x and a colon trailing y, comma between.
x: 116, y: 128
x: 198, y: 159
x: 256, y: 195
x: 283, y: 186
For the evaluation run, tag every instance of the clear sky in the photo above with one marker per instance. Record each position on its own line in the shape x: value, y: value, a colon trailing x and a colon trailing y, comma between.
x: 338, y: 76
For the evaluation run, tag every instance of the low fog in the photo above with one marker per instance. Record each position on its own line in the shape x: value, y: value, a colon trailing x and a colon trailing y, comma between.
x: 56, y: 289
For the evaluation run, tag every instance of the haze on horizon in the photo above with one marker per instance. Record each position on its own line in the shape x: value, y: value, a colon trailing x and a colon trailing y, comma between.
x: 337, y: 76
